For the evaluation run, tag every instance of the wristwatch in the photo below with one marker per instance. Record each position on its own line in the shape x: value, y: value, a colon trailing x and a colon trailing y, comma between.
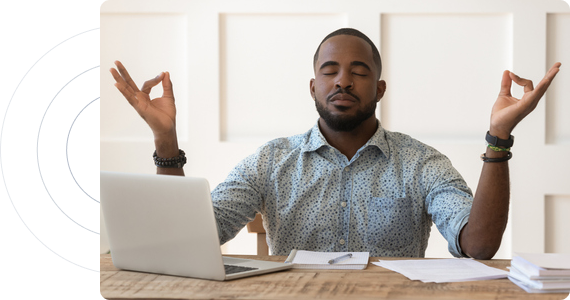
x: 497, y: 142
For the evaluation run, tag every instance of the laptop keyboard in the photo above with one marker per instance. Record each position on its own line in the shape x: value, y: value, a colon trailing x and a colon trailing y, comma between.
x: 231, y: 269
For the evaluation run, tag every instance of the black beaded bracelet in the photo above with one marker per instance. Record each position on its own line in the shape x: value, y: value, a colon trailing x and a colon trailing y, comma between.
x: 498, y: 159
x: 172, y: 162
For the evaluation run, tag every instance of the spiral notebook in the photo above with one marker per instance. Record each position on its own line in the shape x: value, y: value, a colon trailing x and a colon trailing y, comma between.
x: 302, y: 259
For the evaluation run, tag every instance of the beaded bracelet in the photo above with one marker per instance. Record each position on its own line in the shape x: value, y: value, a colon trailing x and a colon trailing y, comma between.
x: 498, y: 149
x: 172, y: 162
x: 498, y: 159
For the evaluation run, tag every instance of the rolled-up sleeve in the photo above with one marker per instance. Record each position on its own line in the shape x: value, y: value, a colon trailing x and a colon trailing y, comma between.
x: 449, y: 202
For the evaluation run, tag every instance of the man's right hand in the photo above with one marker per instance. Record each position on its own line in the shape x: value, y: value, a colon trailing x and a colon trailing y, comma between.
x: 159, y: 113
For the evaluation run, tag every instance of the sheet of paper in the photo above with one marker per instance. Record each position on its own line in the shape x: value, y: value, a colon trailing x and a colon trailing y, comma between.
x: 313, y: 257
x: 548, y: 260
x: 443, y: 270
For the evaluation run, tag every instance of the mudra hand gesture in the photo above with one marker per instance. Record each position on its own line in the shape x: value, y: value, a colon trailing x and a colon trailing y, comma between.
x: 508, y: 111
x: 159, y: 113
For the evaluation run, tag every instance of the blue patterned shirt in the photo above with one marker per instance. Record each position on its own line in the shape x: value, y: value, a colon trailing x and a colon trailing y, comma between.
x: 312, y: 197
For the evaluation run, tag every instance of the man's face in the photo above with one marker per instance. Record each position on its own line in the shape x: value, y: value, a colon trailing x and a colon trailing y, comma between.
x: 345, y: 88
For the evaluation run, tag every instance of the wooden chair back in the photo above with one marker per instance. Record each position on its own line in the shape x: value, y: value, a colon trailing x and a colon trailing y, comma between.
x: 256, y: 226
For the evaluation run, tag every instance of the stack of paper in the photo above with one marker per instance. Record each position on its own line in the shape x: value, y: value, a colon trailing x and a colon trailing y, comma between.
x: 302, y: 259
x: 541, y: 273
x: 443, y: 270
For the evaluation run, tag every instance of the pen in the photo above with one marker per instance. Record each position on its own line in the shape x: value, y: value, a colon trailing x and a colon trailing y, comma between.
x: 338, y: 259
x: 291, y: 256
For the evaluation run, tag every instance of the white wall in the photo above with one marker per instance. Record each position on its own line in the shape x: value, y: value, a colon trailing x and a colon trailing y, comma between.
x: 241, y: 73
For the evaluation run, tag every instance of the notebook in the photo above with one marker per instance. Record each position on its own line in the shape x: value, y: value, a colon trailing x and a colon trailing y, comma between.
x: 541, y: 272
x: 165, y: 224
x: 302, y: 259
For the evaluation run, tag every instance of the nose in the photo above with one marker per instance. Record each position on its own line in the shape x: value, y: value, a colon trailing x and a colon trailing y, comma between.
x: 344, y: 80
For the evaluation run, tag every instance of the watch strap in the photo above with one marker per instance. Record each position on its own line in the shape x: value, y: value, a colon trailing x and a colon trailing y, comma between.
x: 497, y: 142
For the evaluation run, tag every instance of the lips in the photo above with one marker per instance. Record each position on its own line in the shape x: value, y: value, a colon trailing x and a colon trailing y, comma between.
x: 342, y: 99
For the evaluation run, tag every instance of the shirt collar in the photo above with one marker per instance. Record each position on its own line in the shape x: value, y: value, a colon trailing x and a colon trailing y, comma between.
x: 316, y: 140
x: 379, y: 140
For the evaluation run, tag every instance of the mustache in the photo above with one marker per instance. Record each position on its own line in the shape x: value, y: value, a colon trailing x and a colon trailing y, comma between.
x: 342, y: 91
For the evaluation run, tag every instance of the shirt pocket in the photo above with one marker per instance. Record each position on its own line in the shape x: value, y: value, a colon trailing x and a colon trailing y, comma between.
x: 390, y: 223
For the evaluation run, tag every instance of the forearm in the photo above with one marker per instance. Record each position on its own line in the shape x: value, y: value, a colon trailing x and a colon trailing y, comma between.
x: 481, y: 236
x: 167, y: 146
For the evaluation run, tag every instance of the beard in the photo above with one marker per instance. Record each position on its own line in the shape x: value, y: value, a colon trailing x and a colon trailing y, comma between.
x: 345, y: 123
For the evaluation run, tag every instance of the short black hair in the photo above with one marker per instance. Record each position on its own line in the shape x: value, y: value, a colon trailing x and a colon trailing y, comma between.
x: 356, y: 33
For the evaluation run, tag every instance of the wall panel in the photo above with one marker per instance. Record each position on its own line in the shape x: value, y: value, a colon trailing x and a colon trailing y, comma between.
x: 441, y: 63
x: 256, y: 67
x: 557, y: 104
x: 557, y: 224
x: 141, y: 45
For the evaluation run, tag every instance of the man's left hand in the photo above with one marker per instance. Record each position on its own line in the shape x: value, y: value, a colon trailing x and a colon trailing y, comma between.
x: 508, y: 111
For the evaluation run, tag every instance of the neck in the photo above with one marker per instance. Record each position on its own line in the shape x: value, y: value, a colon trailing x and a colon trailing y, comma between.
x: 348, y: 142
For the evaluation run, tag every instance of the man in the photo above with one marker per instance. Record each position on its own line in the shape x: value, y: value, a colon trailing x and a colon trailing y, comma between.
x: 348, y: 184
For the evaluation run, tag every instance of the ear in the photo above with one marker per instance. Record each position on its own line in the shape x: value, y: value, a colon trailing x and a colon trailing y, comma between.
x: 312, y: 88
x: 380, y: 89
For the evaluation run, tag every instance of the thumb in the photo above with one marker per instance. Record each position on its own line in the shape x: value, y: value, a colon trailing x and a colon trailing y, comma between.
x: 167, y: 86
x: 149, y: 84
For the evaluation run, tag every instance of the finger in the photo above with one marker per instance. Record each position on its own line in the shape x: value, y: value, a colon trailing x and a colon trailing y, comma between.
x: 121, y: 81
x: 149, y: 84
x: 505, y: 85
x: 126, y: 76
x: 167, y: 86
x: 123, y: 88
x: 545, y: 82
x: 137, y: 102
x: 526, y: 83
x: 556, y: 66
x: 116, y: 75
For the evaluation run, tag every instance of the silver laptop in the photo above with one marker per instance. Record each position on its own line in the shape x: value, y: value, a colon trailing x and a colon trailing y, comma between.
x: 165, y: 224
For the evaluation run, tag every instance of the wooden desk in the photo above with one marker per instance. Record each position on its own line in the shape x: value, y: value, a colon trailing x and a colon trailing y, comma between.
x: 373, y: 282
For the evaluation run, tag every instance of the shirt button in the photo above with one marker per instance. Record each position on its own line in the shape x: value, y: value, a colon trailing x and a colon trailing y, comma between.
x: 347, y: 169
x: 343, y: 204
x: 341, y: 241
